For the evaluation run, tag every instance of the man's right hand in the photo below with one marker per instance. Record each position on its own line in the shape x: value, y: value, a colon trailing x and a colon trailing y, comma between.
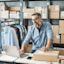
x: 22, y: 50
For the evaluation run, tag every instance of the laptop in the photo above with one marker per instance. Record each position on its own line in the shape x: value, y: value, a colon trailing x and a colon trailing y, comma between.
x: 14, y: 51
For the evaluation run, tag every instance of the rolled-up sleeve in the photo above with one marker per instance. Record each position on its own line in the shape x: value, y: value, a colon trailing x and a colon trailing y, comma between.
x: 49, y: 31
x: 28, y: 37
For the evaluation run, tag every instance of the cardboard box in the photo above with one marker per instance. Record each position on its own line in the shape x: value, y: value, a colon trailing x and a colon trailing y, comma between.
x: 4, y: 14
x: 55, y: 29
x: 29, y: 48
x: 62, y: 15
x: 27, y: 15
x: 56, y: 37
x: 15, y: 8
x: 62, y: 39
x: 54, y: 12
x: 54, y: 8
x: 61, y: 26
x: 44, y: 13
x: 54, y: 15
x: 14, y: 14
x: 28, y: 10
x: 61, y: 51
x: 38, y: 9
x: 51, y: 56
x: 2, y: 6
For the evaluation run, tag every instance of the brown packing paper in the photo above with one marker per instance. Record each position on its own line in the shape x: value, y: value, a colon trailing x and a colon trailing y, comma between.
x: 51, y: 56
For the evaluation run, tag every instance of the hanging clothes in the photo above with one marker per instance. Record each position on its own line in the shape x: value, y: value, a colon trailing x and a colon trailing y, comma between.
x: 8, y: 36
x: 23, y: 32
x: 18, y: 35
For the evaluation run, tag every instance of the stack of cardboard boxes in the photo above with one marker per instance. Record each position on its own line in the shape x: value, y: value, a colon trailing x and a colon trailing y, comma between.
x: 14, y: 12
x: 3, y: 13
x: 56, y: 38
x: 61, y: 30
x: 27, y: 13
x: 58, y: 29
x: 54, y: 12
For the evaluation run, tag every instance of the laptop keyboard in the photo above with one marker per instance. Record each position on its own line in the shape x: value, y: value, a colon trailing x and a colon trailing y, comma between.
x: 23, y: 55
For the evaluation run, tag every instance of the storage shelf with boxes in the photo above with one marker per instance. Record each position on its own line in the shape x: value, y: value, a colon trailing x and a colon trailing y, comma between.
x: 48, y: 12
x: 8, y: 11
x: 29, y: 11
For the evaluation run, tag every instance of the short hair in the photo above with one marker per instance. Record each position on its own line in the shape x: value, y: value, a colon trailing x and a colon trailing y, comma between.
x: 38, y: 14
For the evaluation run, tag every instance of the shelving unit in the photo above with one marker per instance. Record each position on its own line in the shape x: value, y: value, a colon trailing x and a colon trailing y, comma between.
x: 7, y: 18
x: 25, y: 6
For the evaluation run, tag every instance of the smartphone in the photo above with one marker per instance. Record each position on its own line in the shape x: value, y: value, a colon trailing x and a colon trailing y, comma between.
x: 29, y: 57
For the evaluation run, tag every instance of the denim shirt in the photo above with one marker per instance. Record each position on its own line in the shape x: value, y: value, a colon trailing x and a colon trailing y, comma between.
x: 39, y: 39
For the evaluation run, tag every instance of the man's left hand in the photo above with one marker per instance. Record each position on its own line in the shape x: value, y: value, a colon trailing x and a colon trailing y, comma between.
x: 44, y: 49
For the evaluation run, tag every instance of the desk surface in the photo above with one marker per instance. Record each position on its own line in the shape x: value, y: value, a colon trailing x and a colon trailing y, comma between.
x: 7, y: 58
x: 23, y: 60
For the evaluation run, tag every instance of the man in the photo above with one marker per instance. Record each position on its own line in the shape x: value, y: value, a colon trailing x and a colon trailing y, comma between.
x: 40, y: 33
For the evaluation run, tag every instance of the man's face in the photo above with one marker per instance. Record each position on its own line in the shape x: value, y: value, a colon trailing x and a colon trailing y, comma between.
x: 37, y: 21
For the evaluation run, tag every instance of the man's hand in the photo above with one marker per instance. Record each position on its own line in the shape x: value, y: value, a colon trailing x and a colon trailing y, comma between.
x: 22, y: 50
x: 44, y: 49
x: 47, y: 46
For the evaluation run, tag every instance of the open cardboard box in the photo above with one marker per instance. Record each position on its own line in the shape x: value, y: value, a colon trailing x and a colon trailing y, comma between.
x: 51, y: 56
